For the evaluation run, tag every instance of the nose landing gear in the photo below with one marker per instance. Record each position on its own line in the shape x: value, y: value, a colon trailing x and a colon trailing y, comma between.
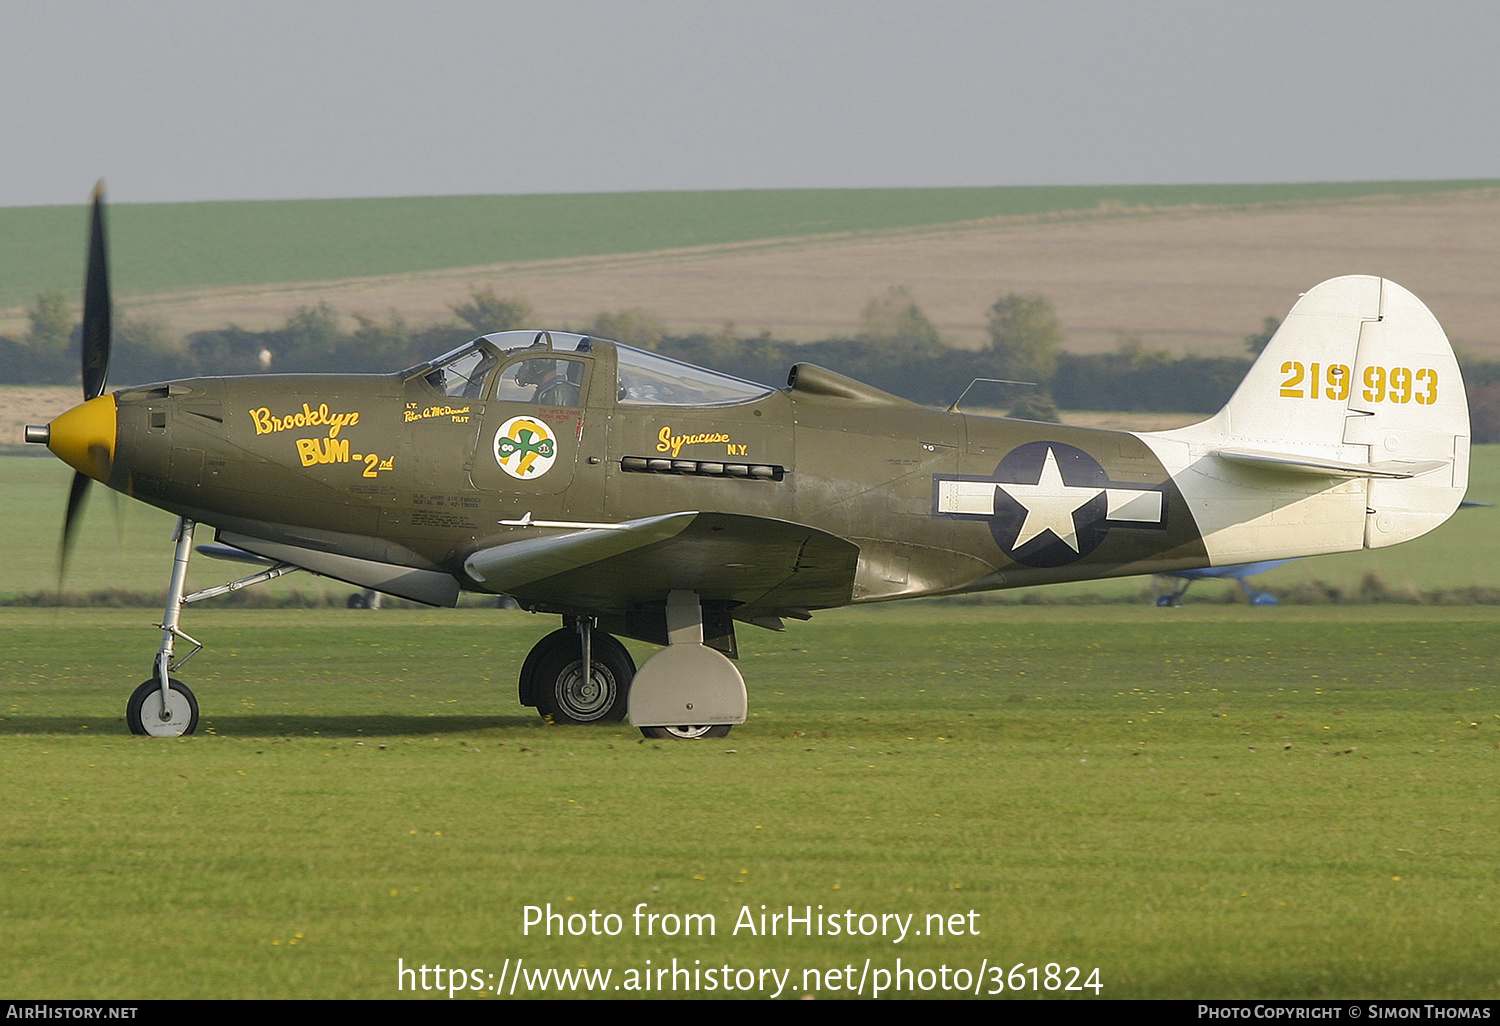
x: 163, y: 706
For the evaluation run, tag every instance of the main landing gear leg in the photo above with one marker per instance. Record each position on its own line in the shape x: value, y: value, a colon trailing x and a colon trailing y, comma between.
x: 687, y: 690
x: 163, y: 706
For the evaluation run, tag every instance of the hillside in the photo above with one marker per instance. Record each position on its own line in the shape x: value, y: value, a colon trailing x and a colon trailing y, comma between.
x: 1187, y: 276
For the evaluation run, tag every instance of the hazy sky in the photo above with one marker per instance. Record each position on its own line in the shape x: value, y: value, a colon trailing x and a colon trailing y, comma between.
x: 223, y: 100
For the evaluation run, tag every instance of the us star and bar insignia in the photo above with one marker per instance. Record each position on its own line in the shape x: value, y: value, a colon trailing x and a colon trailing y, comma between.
x: 1049, y: 503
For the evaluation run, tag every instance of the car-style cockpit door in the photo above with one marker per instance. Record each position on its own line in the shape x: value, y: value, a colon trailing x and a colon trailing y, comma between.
x: 533, y: 423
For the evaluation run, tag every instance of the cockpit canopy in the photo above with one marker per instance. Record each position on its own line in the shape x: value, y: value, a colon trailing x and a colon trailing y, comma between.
x: 642, y: 378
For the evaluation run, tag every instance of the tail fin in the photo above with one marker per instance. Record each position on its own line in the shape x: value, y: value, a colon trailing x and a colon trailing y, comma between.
x: 1350, y: 430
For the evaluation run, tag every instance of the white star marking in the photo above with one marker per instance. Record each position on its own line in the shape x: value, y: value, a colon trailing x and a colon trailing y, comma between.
x: 1050, y: 505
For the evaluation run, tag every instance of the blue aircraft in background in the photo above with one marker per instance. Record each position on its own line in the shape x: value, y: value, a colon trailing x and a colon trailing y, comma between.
x: 1241, y: 572
x: 1178, y: 582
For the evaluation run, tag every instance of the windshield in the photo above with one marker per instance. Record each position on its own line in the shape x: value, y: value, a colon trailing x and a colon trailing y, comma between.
x: 460, y: 374
x: 647, y: 379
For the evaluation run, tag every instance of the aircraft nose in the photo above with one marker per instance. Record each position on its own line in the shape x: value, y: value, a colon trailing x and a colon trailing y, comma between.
x: 83, y: 437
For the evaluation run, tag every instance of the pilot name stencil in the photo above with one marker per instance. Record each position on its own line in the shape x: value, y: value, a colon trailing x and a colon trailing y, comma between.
x: 459, y: 415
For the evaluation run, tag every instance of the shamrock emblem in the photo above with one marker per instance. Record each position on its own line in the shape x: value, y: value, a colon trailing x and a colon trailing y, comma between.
x: 525, y: 448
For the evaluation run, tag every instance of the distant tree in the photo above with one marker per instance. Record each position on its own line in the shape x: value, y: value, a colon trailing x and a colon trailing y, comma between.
x: 313, y: 328
x: 894, y: 319
x: 376, y: 345
x: 15, y: 362
x: 1025, y: 337
x: 1484, y: 413
x: 486, y: 312
x: 51, y: 321
x: 144, y: 350
x: 637, y: 327
x: 1133, y: 377
x: 756, y: 358
x: 1257, y: 343
x: 231, y: 350
x: 46, y: 355
x: 1036, y: 407
x: 431, y: 341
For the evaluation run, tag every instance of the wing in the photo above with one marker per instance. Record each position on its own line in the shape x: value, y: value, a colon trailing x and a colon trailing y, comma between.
x: 762, y: 564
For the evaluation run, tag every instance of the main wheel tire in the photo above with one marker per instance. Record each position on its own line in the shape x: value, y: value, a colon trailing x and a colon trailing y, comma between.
x: 556, y: 682
x: 688, y: 733
x: 561, y: 638
x: 143, y: 713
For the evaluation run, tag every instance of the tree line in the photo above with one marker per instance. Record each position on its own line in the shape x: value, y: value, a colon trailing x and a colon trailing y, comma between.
x: 896, y: 349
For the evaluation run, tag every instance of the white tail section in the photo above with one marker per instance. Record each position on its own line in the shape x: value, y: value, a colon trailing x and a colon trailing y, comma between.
x: 1351, y: 430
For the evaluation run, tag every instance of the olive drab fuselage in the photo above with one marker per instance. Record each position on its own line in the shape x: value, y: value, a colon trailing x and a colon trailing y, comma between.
x: 396, y: 470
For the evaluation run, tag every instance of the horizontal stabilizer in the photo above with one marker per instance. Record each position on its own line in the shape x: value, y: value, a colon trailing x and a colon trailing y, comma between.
x: 1297, y: 464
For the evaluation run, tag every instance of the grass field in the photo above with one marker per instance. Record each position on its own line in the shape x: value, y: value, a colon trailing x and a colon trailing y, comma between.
x: 1221, y: 803
x: 158, y: 247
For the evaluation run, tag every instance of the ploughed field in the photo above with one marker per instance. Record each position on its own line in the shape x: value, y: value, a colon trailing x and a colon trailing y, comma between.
x: 1186, y: 268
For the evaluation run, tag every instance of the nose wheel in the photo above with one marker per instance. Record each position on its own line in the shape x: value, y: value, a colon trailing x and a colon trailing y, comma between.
x: 149, y: 714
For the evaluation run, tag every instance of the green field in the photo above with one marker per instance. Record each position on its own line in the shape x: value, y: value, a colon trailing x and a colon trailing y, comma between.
x: 126, y: 546
x: 1223, y: 802
x: 164, y: 246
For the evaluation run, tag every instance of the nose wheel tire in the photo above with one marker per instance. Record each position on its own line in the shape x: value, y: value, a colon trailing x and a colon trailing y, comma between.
x: 145, y: 714
x: 688, y: 733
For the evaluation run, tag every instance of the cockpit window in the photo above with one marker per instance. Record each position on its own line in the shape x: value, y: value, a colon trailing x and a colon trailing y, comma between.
x: 563, y: 341
x: 461, y: 373
x: 644, y: 379
x: 647, y: 379
x: 541, y: 380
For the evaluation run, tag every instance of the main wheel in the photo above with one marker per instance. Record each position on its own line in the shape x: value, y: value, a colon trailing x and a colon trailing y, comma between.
x: 560, y: 638
x: 688, y: 733
x: 144, y: 713
x: 554, y: 678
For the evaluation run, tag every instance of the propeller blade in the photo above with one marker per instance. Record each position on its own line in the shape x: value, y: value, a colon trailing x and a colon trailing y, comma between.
x: 76, y: 496
x: 96, y: 305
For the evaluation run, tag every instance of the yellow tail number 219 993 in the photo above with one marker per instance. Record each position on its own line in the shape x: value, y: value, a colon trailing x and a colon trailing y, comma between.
x: 1381, y: 384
